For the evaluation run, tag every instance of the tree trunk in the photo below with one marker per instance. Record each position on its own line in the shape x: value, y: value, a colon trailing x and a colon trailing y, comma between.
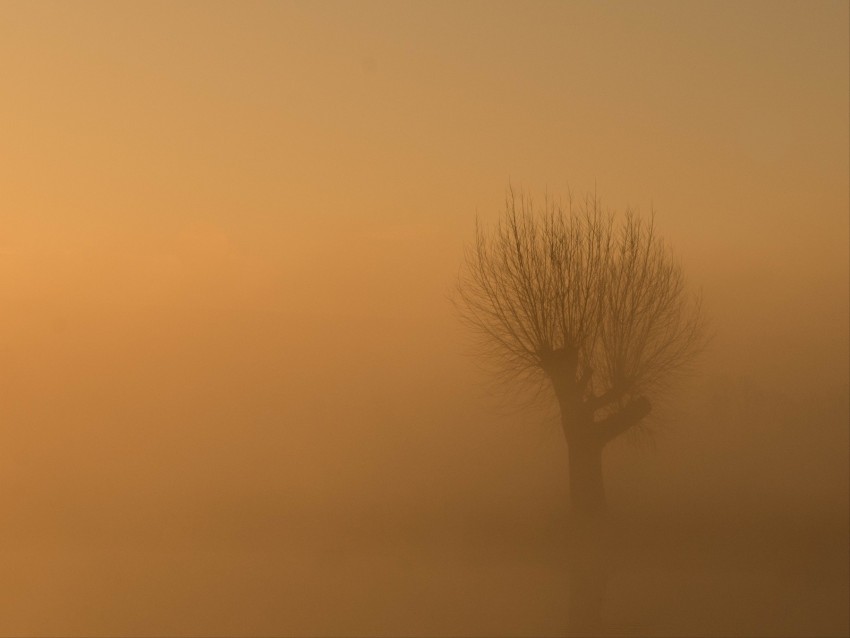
x: 587, y: 491
x: 587, y: 572
x: 584, y: 439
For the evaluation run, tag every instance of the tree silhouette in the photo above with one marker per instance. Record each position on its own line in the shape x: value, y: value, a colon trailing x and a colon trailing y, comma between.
x: 588, y: 304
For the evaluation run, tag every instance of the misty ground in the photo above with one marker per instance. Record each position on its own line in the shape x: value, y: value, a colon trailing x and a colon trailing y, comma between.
x: 215, y: 490
x: 698, y: 544
x: 719, y: 573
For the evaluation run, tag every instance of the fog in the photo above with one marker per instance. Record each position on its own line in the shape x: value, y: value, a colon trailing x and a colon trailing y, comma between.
x: 236, y: 396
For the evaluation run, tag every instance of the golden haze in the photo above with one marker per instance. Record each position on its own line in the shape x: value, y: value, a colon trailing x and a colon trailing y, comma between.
x: 235, y: 397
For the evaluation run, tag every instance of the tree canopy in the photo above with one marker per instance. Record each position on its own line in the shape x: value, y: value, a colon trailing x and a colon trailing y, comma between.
x: 593, y: 302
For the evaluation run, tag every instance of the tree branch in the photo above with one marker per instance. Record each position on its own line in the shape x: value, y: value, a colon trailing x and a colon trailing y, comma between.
x: 613, y: 426
x: 609, y: 396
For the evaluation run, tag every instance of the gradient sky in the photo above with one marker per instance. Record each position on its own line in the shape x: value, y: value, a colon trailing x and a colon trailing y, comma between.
x: 222, y: 217
x: 325, y: 160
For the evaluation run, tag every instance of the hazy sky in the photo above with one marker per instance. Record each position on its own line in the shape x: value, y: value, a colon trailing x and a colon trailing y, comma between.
x: 317, y: 166
x: 229, y: 230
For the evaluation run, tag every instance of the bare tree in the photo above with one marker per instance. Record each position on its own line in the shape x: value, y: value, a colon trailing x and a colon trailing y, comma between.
x: 593, y: 306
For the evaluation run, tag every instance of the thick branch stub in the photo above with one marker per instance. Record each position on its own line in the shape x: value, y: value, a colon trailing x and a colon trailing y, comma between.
x: 614, y: 393
x: 614, y: 425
